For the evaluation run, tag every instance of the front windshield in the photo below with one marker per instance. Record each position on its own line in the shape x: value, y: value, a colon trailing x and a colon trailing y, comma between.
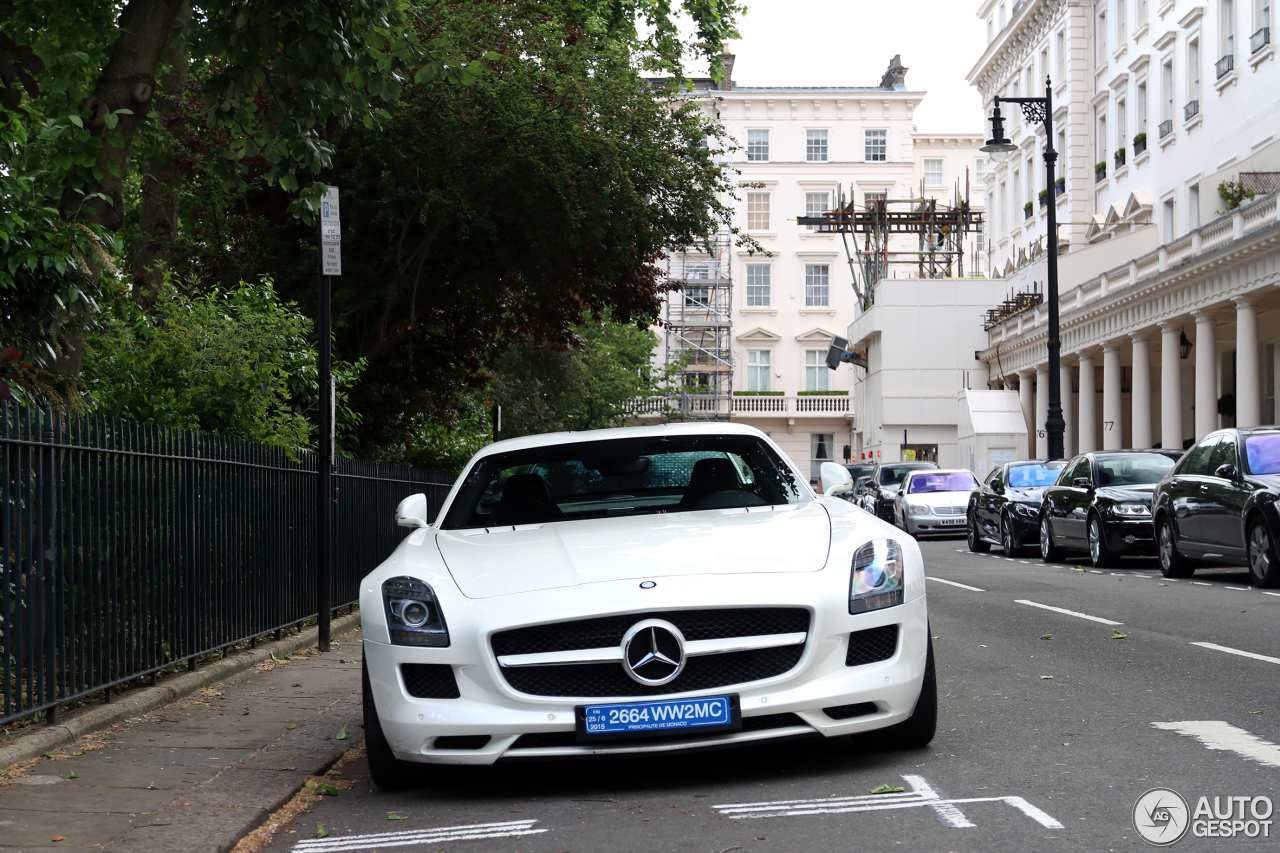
x: 1034, y: 476
x: 893, y: 475
x: 633, y: 476
x: 952, y: 481
x: 1263, y: 453
x: 1140, y: 469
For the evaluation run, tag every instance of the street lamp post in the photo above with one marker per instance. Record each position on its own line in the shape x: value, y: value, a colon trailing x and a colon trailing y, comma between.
x: 999, y: 147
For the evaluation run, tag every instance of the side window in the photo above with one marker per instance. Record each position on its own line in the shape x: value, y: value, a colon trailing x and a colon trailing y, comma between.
x: 1083, y: 469
x: 1223, y: 454
x: 1197, y: 460
x: 995, y: 477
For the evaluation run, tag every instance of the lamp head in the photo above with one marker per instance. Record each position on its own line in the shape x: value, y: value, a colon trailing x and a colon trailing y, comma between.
x: 1184, y: 345
x: 998, y: 147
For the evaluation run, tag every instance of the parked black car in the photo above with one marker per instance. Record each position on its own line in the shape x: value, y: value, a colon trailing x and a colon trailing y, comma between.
x: 1218, y: 505
x: 878, y: 492
x: 1005, y: 508
x: 1101, y: 503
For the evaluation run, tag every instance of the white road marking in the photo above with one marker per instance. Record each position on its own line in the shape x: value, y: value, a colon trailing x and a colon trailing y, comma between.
x: 1215, y: 734
x: 1271, y: 593
x: 1096, y: 572
x: 1144, y: 577
x: 1069, y: 612
x: 953, y: 583
x: 1201, y: 583
x: 1231, y: 651
x: 503, y: 829
x: 1241, y: 588
x: 921, y: 794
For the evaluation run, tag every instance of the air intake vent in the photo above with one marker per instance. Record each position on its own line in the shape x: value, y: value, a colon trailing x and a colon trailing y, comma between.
x: 848, y: 712
x: 871, y: 645
x: 461, y: 742
x: 429, y: 680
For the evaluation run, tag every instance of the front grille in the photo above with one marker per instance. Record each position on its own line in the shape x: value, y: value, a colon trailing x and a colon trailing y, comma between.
x: 871, y: 645
x: 607, y: 631
x: 848, y: 712
x: 608, y: 679
x: 461, y: 742
x: 948, y: 510
x: 545, y: 740
x: 429, y: 680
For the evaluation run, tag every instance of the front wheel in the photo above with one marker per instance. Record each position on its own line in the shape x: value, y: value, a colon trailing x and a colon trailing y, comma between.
x: 389, y: 773
x: 1172, y: 563
x: 1264, y: 567
x: 1011, y: 547
x: 1100, y: 555
x: 1049, y: 552
x: 917, y: 731
x: 977, y: 544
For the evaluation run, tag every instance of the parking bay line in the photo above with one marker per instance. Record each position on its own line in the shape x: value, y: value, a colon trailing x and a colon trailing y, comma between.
x: 1217, y: 734
x: 1241, y: 653
x: 335, y: 844
x: 1068, y: 612
x: 953, y: 583
x: 921, y: 794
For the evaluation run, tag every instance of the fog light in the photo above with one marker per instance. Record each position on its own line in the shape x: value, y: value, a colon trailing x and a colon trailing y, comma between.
x: 1129, y: 540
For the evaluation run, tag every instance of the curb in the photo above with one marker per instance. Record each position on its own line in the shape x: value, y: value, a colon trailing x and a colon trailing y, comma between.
x: 148, y: 699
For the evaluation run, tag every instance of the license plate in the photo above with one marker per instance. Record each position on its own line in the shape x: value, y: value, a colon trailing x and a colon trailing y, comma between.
x: 705, y: 714
x: 952, y: 521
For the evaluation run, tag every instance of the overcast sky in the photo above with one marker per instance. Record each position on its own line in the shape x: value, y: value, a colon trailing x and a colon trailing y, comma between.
x: 850, y: 43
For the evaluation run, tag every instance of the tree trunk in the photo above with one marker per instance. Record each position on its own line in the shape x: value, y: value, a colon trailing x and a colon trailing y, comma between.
x: 128, y: 81
x: 158, y: 210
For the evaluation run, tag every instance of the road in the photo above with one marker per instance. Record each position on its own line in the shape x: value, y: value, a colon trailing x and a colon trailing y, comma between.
x: 1051, y: 726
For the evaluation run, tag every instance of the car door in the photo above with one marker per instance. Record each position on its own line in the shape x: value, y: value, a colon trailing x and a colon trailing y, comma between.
x: 1190, y: 483
x: 1222, y: 501
x: 1057, y: 498
x: 1076, y: 503
x: 989, y: 500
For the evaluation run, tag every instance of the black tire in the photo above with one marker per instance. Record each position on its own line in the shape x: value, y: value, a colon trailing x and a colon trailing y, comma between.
x: 1049, y: 551
x: 1011, y: 548
x: 917, y: 731
x: 1100, y: 555
x: 1172, y: 563
x: 1264, y: 564
x: 389, y: 773
x: 977, y: 544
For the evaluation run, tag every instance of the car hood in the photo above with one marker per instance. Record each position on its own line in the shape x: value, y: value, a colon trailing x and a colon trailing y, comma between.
x: 484, y: 564
x: 1035, y: 496
x: 1128, y: 494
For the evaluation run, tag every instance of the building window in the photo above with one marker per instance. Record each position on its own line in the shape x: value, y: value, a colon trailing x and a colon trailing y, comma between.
x: 822, y: 448
x: 758, y: 369
x: 1004, y: 208
x: 757, y: 211
x: 816, y: 204
x: 1166, y: 81
x: 1002, y: 16
x: 1142, y: 12
x: 758, y: 146
x: 817, y: 286
x: 1122, y: 22
x: 980, y: 169
x: 933, y: 173
x: 1031, y: 179
x: 1062, y: 55
x: 759, y: 285
x: 1102, y: 38
x: 1193, y: 211
x: 877, y: 146
x: 1102, y: 136
x: 1017, y: 192
x: 815, y: 370
x: 1062, y: 146
x: 815, y: 150
x: 872, y: 198
x: 1122, y: 124
x: 1262, y: 17
x: 1227, y: 27
x: 1142, y: 107
x: 1170, y: 224
x: 1044, y: 63
x: 1193, y: 72
x: 991, y: 31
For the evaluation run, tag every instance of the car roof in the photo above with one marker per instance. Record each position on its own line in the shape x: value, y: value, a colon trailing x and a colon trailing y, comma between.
x: 553, y: 438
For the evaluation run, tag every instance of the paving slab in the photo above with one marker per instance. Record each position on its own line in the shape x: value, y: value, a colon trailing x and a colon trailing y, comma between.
x: 85, y: 798
x: 192, y: 829
x: 269, y: 789
x: 25, y: 829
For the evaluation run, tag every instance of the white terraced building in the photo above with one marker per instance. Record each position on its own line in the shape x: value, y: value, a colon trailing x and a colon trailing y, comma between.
x: 799, y: 147
x: 1170, y: 314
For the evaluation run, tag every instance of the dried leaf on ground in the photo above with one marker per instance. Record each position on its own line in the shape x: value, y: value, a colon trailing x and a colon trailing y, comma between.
x: 887, y: 789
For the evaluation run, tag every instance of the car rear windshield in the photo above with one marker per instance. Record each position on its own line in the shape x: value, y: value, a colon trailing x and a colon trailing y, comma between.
x: 632, y: 476
x: 1034, y: 476
x: 1138, y: 469
x: 955, y: 481
x: 1263, y: 453
x: 893, y: 475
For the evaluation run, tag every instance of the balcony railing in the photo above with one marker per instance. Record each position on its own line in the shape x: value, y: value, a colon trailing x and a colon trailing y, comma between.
x: 1226, y: 65
x: 1119, y: 158
x: 1099, y: 172
x: 1260, y: 39
x: 803, y: 405
x: 1191, y: 110
x: 1166, y: 128
x: 1027, y: 210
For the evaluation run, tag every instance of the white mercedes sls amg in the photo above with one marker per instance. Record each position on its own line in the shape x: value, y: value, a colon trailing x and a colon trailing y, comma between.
x: 648, y: 589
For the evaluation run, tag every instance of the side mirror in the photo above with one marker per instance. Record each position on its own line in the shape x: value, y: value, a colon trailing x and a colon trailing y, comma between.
x: 412, y: 511
x: 1226, y: 472
x: 836, y: 479
x: 1082, y: 483
x: 997, y: 487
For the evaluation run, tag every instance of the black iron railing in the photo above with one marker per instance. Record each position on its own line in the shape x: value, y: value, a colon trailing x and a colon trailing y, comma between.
x: 1226, y: 65
x: 1260, y: 39
x: 1166, y: 128
x: 1191, y: 110
x: 127, y: 549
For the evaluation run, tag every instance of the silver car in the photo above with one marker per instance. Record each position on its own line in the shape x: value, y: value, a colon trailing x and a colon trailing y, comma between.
x: 934, y: 501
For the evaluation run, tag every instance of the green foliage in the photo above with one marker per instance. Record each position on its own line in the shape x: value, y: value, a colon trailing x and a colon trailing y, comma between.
x: 238, y: 363
x: 759, y: 393
x: 436, y: 446
x: 822, y: 393
x: 1235, y: 193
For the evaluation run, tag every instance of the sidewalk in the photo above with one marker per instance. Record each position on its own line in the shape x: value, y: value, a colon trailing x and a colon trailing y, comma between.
x: 196, y: 775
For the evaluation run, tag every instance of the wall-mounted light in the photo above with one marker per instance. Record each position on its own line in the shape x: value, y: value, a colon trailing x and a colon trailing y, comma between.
x: 1184, y: 346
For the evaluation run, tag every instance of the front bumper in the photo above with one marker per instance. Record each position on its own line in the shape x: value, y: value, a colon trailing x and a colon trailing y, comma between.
x: 489, y: 706
x: 937, y: 525
x: 1026, y: 528
x: 1130, y: 536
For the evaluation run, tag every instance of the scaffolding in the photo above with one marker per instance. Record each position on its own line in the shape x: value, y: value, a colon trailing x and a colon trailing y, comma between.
x: 939, y: 230
x: 698, y: 331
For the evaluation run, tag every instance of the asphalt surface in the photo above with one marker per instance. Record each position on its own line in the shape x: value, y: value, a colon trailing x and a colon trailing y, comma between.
x: 1049, y: 707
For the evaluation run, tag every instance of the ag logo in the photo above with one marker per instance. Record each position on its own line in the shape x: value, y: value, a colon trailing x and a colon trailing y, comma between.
x: 1161, y: 816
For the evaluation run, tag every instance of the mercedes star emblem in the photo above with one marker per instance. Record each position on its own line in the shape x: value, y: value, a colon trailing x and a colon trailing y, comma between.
x: 653, y: 652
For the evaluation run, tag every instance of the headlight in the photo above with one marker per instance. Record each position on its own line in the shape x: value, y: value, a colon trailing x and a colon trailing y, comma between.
x: 413, y: 614
x: 918, y: 509
x: 1026, y: 509
x: 887, y: 495
x: 1132, y: 510
x: 876, y: 581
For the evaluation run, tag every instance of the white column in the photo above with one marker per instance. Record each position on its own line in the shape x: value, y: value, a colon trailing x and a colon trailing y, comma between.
x: 1087, y: 438
x: 1112, y: 410
x: 1248, y: 382
x: 1069, y: 432
x: 1028, y: 407
x: 1042, y: 411
x: 1141, y: 399
x: 1170, y: 386
x: 1206, y: 351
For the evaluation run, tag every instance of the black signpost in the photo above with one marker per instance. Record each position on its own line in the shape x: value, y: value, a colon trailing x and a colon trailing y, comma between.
x: 330, y: 264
